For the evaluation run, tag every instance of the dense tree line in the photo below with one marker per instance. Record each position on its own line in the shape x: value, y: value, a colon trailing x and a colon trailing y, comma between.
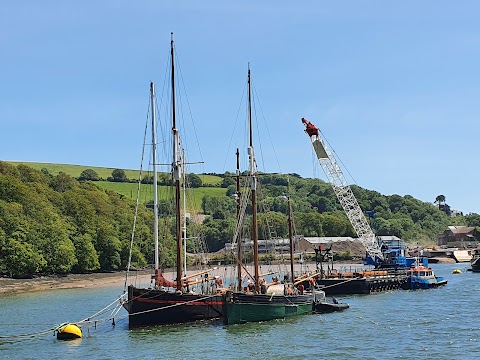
x: 317, y: 211
x: 57, y: 224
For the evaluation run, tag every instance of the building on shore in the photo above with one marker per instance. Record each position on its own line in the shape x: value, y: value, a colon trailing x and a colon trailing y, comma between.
x: 458, y: 236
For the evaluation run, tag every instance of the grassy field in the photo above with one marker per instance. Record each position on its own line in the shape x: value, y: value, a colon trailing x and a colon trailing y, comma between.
x: 194, y: 196
x: 76, y: 170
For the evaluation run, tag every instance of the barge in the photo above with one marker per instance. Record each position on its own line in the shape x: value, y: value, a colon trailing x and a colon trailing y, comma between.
x: 363, y: 282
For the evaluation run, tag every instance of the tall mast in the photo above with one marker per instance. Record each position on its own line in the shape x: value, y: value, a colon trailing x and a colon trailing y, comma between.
x: 184, y: 225
x: 154, y: 165
x: 177, y: 173
x: 290, y: 231
x: 239, y: 241
x: 252, y: 166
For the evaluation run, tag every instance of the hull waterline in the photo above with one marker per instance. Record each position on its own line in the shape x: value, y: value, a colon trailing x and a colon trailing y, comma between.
x: 150, y: 307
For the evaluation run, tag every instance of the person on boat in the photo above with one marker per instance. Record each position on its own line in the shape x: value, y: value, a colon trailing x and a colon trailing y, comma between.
x: 300, y: 288
x: 250, y: 286
x: 310, y: 129
x: 263, y: 286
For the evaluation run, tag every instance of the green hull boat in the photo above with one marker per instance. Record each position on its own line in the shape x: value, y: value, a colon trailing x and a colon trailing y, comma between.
x: 240, y: 308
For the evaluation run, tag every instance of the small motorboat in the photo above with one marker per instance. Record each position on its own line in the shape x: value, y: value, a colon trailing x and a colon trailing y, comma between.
x: 421, y: 277
x: 322, y: 306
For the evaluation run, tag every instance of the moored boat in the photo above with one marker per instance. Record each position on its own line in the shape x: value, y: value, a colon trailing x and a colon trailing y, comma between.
x: 421, y: 277
x: 322, y: 306
x: 475, y: 261
x: 240, y: 307
x: 261, y: 302
x: 165, y: 301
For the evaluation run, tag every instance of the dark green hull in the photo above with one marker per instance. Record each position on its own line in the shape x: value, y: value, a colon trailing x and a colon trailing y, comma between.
x: 241, y: 308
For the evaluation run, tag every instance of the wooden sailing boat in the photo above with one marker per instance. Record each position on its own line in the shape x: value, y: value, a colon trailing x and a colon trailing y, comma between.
x: 170, y: 302
x: 278, y: 301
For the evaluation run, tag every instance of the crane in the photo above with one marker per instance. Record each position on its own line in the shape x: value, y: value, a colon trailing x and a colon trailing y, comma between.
x: 343, y: 192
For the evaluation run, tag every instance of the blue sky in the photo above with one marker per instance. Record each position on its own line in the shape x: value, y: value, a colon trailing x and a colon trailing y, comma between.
x: 394, y: 86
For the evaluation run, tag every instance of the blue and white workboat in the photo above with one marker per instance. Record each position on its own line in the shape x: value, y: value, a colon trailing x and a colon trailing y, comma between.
x: 421, y: 277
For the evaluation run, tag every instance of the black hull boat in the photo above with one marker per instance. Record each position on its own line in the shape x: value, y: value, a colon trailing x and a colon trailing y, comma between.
x: 164, y: 301
x: 365, y: 285
x: 322, y: 306
x: 327, y: 307
x: 148, y: 307
x: 475, y: 262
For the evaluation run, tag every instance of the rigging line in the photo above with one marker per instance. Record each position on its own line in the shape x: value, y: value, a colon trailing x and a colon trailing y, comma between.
x: 101, y: 311
x: 338, y: 157
x: 137, y: 202
x: 188, y: 103
x: 258, y: 137
x: 163, y: 115
x: 244, y: 198
x: 24, y: 325
x: 234, y: 127
x: 340, y: 283
x: 29, y: 335
x: 266, y: 126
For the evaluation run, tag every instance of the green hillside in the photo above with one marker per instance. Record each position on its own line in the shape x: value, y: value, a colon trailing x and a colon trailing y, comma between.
x: 103, y: 172
x: 194, y: 196
x: 53, y: 223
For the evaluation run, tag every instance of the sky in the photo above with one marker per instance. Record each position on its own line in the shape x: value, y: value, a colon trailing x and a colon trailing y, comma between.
x: 393, y: 86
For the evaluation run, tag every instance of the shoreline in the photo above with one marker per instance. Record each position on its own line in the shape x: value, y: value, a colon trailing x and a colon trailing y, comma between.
x: 9, y: 286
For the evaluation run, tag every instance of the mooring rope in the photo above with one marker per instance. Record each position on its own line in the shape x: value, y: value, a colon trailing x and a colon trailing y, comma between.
x: 168, y: 307
x: 340, y: 283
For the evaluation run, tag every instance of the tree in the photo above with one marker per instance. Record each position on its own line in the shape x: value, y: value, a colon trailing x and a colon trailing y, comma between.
x: 217, y: 232
x: 220, y: 207
x: 472, y: 219
x: 85, y: 253
x: 63, y: 182
x: 119, y: 175
x: 89, y: 174
x: 309, y: 224
x: 194, y: 180
x: 272, y: 220
x: 440, y: 199
x: 227, y: 181
x: 21, y: 259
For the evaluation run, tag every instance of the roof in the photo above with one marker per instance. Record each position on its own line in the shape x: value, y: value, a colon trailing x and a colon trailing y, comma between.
x: 333, y: 239
x: 388, y: 237
x: 329, y: 239
x: 461, y: 229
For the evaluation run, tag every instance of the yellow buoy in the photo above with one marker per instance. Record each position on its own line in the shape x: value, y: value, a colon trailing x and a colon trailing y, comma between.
x: 457, y: 271
x: 69, y: 332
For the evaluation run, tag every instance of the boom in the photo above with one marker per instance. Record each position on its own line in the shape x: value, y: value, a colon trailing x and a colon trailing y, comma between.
x: 343, y: 191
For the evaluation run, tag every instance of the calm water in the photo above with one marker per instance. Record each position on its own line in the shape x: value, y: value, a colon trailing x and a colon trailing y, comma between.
x: 441, y: 323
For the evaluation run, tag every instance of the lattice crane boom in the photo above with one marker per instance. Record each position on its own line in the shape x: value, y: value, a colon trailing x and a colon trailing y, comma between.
x: 343, y: 191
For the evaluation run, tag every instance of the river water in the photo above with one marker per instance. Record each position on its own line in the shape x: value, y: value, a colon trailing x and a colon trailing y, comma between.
x: 441, y: 323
